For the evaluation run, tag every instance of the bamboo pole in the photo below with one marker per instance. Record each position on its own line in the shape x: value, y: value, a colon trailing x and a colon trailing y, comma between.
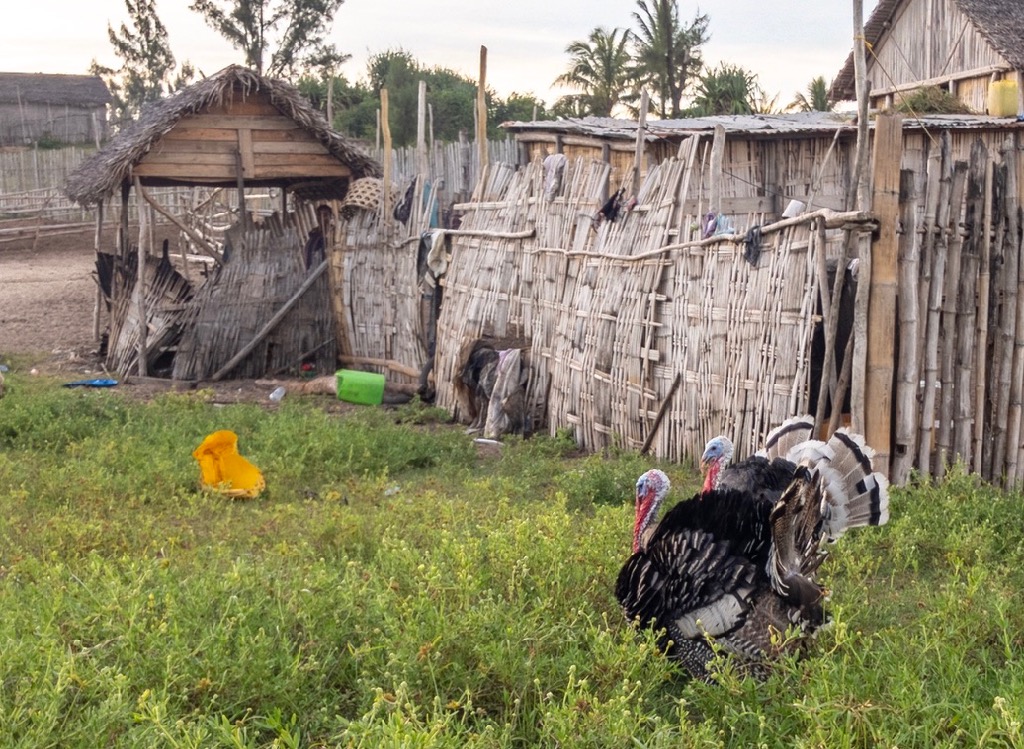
x: 1011, y: 269
x: 1014, y: 465
x: 385, y: 200
x: 931, y: 345
x: 481, y: 113
x: 862, y: 86
x: 967, y: 302
x: 641, y: 132
x: 928, y: 231
x: 717, y: 156
x: 981, y: 355
x: 908, y: 369
x: 881, y: 321
x: 140, y: 282
x: 944, y: 435
x: 997, y: 314
x: 97, y: 309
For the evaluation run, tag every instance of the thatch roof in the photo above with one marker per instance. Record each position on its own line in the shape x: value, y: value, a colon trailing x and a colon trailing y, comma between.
x: 103, y: 173
x: 1000, y: 22
x: 43, y: 88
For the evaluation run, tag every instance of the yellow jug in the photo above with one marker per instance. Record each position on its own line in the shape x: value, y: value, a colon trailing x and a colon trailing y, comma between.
x: 224, y: 470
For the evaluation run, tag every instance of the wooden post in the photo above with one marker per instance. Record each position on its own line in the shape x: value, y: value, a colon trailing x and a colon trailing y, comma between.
x: 641, y: 131
x: 881, y: 348
x: 385, y: 199
x: 1007, y: 332
x: 98, y: 306
x: 421, y: 130
x: 717, y: 156
x: 140, y: 281
x: 860, y: 181
x: 481, y: 112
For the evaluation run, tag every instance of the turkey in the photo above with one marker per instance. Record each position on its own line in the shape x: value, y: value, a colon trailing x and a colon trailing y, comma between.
x: 855, y: 495
x: 725, y: 566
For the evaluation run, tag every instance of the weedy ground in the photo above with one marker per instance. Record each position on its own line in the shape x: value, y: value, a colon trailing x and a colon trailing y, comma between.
x: 394, y: 587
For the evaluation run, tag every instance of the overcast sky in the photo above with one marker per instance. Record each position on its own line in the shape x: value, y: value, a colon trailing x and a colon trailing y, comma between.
x: 786, y: 42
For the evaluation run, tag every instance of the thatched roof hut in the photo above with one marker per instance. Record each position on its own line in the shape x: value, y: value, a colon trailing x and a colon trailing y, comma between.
x: 233, y: 125
x: 71, y: 108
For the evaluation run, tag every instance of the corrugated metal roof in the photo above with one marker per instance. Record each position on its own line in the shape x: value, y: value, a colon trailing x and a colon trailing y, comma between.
x: 754, y: 124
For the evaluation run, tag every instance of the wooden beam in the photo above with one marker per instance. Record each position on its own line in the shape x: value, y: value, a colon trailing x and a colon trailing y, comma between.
x: 481, y: 112
x: 881, y: 348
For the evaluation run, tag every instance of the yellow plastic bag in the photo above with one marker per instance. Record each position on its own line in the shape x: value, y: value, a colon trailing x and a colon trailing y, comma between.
x: 224, y: 470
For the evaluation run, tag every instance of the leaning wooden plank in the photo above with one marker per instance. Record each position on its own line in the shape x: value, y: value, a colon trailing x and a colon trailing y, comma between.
x: 271, y: 323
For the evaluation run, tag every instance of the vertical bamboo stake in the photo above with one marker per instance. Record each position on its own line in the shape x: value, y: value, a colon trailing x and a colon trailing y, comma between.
x: 1011, y: 267
x: 943, y: 439
x: 858, y: 374
x: 385, y: 186
x: 881, y: 321
x: 907, y: 371
x: 860, y: 181
x: 481, y: 113
x: 98, y: 304
x: 638, y: 155
x: 421, y: 129
x: 928, y: 230
x: 983, y: 318
x: 967, y: 301
x: 717, y: 155
x: 931, y: 345
x: 140, y: 280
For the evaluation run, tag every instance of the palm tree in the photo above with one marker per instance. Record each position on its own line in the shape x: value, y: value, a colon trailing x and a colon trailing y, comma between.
x: 728, y: 89
x: 667, y: 52
x: 599, y: 69
x: 814, y: 99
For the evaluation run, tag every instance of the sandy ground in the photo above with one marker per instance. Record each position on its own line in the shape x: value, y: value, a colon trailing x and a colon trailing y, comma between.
x: 47, y: 295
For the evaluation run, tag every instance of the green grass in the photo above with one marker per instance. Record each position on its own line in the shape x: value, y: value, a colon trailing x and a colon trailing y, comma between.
x: 393, y: 588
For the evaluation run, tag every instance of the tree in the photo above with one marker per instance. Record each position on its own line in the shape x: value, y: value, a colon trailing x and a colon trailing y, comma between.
x: 292, y: 31
x: 147, y: 69
x: 667, y: 53
x: 814, y: 99
x: 599, y: 69
x: 727, y: 89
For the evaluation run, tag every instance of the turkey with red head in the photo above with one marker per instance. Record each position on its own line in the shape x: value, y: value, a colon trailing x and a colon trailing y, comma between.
x: 855, y: 495
x: 725, y: 566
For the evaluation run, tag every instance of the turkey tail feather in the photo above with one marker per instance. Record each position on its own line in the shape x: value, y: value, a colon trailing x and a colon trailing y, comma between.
x: 856, y: 496
x: 788, y: 435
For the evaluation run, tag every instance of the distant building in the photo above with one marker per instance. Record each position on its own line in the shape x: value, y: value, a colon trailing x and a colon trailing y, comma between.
x: 67, y: 108
x: 964, y: 46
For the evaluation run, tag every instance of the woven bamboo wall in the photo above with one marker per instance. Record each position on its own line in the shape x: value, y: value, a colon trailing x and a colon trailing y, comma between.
x: 614, y: 311
x: 960, y: 377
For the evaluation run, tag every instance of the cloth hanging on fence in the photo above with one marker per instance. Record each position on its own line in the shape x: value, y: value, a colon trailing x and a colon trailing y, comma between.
x: 610, y: 210
x: 554, y: 171
x: 752, y: 245
x: 404, y: 207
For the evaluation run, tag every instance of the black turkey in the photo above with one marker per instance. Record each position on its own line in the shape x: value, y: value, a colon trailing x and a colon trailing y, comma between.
x: 725, y: 566
x: 855, y: 495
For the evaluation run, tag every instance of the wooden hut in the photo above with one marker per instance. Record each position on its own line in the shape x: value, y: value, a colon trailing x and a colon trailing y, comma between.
x: 972, y: 48
x: 68, y: 108
x: 233, y: 130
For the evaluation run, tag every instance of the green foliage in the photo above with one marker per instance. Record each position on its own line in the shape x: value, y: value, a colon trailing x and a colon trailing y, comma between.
x: 727, y: 89
x: 668, y: 53
x: 293, y: 32
x: 814, y: 99
x: 394, y: 588
x: 600, y: 69
x: 147, y: 70
x: 930, y: 100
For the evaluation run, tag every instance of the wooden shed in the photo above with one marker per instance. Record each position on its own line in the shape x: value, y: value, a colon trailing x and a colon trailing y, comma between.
x: 965, y: 46
x: 236, y: 130
x: 68, y: 108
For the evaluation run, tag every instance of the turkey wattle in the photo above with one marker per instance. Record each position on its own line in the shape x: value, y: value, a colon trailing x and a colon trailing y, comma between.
x: 724, y: 566
x: 855, y: 495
